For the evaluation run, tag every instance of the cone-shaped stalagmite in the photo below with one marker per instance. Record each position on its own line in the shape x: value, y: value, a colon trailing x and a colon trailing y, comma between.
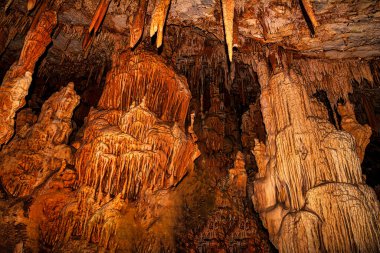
x: 35, y: 152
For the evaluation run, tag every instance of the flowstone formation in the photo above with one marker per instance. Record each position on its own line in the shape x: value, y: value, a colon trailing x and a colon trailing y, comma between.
x: 309, y: 190
x: 134, y: 149
x: 35, y: 163
x: 17, y: 80
x: 41, y: 150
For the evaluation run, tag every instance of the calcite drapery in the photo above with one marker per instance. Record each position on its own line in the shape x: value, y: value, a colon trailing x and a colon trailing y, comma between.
x: 39, y: 151
x: 17, y: 80
x: 133, y: 148
x: 309, y: 190
x: 169, y: 98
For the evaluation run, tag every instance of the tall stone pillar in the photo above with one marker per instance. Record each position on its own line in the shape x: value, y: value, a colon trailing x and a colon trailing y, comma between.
x: 309, y: 191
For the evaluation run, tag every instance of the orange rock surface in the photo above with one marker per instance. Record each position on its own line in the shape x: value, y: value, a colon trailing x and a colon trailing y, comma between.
x: 17, y: 80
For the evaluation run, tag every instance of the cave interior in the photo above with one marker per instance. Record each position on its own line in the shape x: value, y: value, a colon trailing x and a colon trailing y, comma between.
x: 189, y: 126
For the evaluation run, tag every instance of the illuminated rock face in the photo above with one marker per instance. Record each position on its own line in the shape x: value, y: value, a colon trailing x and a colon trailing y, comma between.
x: 17, y: 80
x: 309, y: 191
x: 130, y: 155
x: 37, y: 152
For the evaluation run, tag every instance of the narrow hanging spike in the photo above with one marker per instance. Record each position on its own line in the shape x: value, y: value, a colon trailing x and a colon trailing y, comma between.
x: 158, y: 20
x: 310, y: 12
x: 137, y: 27
x: 8, y: 4
x: 31, y: 4
x: 228, y: 7
x: 99, y: 15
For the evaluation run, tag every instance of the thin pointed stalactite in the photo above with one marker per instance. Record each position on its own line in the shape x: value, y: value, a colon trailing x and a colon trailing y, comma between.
x: 87, y: 41
x: 99, y: 16
x: 158, y: 20
x: 31, y: 4
x: 137, y: 27
x: 8, y: 5
x: 228, y: 7
x: 310, y: 13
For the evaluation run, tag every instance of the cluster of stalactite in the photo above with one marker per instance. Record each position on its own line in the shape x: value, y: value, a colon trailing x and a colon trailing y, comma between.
x: 126, y: 71
x: 17, y: 80
x: 309, y: 190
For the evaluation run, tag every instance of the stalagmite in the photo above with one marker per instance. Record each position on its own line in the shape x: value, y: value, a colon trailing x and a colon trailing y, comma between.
x: 159, y: 19
x: 17, y: 80
x: 228, y: 7
x: 137, y: 27
x: 40, y: 149
x: 310, y: 177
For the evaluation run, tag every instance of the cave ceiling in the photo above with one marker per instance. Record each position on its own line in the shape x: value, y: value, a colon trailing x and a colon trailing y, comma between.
x: 346, y: 29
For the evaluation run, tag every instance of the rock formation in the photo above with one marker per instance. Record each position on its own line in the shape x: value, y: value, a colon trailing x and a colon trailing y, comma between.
x: 16, y: 82
x: 203, y: 126
x: 133, y: 148
x: 40, y: 150
x: 309, y: 190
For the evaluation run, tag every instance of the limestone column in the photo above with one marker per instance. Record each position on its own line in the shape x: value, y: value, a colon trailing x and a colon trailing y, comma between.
x: 309, y: 191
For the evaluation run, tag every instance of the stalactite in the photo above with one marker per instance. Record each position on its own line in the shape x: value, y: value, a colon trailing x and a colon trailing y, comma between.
x: 31, y: 4
x: 99, y: 16
x: 137, y: 27
x: 349, y: 124
x: 36, y: 18
x: 158, y: 20
x: 9, y: 3
x: 19, y: 77
x: 310, y: 12
x: 228, y: 7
